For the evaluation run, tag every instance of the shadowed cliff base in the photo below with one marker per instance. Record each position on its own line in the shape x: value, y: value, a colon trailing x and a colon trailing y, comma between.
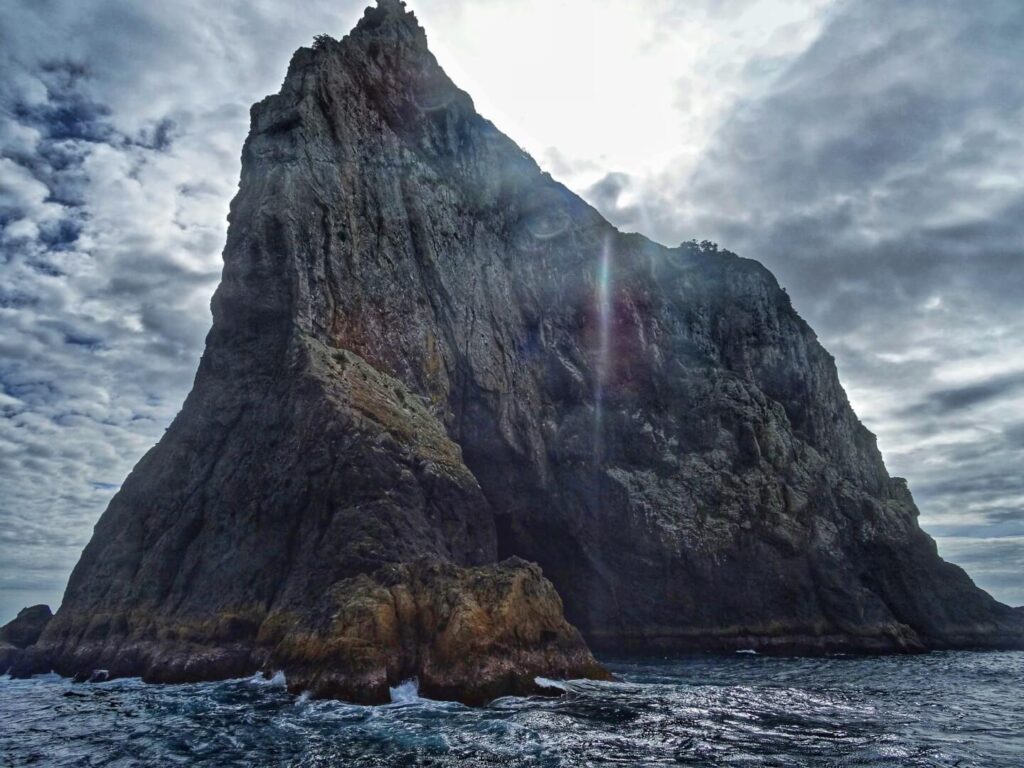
x: 425, y: 347
x: 466, y: 634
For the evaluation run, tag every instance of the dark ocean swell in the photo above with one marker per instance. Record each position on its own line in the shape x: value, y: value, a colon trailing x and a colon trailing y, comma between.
x: 940, y: 709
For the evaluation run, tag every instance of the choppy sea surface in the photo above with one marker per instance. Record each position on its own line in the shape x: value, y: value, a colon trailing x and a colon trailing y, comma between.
x: 941, y: 709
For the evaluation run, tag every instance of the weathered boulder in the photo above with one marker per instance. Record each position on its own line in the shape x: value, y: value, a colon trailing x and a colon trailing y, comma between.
x: 424, y: 346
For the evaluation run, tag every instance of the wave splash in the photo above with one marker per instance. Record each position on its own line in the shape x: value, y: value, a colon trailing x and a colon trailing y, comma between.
x: 406, y: 692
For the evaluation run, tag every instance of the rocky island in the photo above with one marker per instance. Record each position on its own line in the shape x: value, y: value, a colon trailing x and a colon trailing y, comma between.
x: 451, y: 424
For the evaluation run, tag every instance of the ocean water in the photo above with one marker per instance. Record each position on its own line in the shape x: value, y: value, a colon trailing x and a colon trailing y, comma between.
x: 941, y: 709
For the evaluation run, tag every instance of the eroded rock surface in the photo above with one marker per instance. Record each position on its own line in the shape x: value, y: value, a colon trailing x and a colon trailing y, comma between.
x: 424, y: 346
x: 470, y: 634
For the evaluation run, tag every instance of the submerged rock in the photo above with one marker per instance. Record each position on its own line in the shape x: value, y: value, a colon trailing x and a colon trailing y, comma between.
x: 425, y: 347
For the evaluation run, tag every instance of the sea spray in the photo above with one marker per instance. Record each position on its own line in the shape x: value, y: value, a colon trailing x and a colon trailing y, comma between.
x: 405, y: 692
x: 546, y: 682
x: 276, y: 680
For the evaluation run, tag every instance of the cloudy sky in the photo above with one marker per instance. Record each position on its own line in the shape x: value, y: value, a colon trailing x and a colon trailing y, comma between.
x: 869, y: 152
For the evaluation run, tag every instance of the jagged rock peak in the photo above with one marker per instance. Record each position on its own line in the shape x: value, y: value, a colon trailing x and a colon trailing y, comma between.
x: 389, y: 14
x: 390, y: 22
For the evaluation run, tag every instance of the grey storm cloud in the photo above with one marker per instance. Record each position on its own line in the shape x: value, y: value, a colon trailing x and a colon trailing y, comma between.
x: 881, y: 178
x: 995, y: 563
x: 121, y: 126
x: 1014, y: 434
x: 942, y: 401
x: 879, y: 174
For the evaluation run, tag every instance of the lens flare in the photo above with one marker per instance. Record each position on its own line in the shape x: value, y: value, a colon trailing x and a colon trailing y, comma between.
x: 604, y: 314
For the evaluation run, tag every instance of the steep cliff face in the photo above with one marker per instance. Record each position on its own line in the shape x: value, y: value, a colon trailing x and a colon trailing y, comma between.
x: 425, y: 346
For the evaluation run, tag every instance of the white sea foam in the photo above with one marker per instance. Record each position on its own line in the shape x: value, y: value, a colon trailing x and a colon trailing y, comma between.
x: 277, y: 680
x: 405, y: 692
x: 748, y: 650
x: 545, y: 682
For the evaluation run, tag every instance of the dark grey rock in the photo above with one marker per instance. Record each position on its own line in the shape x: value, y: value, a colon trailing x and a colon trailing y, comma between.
x: 27, y: 626
x: 20, y: 633
x: 9, y: 656
x: 413, y: 355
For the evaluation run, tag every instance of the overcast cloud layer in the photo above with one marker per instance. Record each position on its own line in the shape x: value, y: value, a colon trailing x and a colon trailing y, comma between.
x: 870, y: 153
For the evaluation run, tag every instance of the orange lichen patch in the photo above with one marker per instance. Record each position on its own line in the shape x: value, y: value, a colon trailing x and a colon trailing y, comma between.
x: 465, y: 633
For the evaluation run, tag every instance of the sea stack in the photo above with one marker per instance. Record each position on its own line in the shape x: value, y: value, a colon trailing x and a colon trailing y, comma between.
x: 438, y: 383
